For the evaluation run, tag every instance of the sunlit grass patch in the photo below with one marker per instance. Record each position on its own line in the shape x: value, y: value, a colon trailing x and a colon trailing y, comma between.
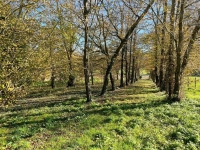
x: 192, y: 87
x: 135, y: 117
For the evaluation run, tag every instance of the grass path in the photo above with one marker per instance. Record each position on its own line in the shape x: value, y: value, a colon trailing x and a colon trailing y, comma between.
x: 135, y: 117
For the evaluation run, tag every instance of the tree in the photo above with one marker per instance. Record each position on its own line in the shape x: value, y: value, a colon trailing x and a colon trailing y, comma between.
x: 123, y: 41
x: 15, y: 33
x: 86, y: 11
x: 162, y: 53
x: 178, y: 53
x: 68, y: 36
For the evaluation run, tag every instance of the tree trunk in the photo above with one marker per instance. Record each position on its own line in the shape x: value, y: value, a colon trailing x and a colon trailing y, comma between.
x: 157, y: 40
x: 112, y: 82
x: 122, y: 68
x: 156, y: 57
x: 85, y: 59
x: 71, y: 77
x: 105, y: 82
x: 135, y: 76
x: 130, y: 60
x: 126, y: 64
x: 71, y: 81
x: 170, y: 70
x: 156, y: 68
x: 52, y: 77
x: 117, y: 72
x: 157, y: 77
x: 92, y: 77
x: 52, y: 82
x: 133, y: 58
x: 133, y: 71
x: 178, y: 53
x: 123, y: 41
x: 161, y: 74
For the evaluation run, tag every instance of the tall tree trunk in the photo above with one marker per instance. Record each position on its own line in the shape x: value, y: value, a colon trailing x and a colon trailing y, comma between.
x: 133, y: 58
x: 178, y: 53
x: 122, y: 68
x: 156, y: 54
x: 126, y: 64
x: 161, y: 74
x: 156, y: 60
x: 133, y: 71
x: 170, y: 67
x: 157, y: 42
x: 85, y: 56
x: 157, y: 77
x: 123, y: 41
x: 91, y: 73
x: 52, y: 84
x: 130, y: 60
x: 69, y: 50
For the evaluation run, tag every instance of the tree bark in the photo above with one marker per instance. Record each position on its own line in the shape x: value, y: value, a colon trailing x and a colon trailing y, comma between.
x: 126, y: 64
x: 170, y: 67
x: 133, y: 71
x: 161, y: 74
x: 178, y: 53
x: 156, y: 55
x: 133, y: 58
x: 122, y: 68
x: 85, y: 57
x: 112, y: 82
x: 130, y: 60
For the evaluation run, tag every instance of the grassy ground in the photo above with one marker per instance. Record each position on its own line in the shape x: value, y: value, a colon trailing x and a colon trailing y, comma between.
x: 136, y: 117
x: 192, y: 87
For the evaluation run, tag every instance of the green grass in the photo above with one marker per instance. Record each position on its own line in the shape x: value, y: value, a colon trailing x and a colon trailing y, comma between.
x: 192, y: 89
x: 135, y: 117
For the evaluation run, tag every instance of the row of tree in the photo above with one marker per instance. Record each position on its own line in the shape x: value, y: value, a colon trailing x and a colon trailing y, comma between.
x: 60, y: 40
x: 176, y: 26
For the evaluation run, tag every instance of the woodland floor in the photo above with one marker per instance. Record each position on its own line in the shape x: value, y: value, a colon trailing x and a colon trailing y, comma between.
x: 131, y: 118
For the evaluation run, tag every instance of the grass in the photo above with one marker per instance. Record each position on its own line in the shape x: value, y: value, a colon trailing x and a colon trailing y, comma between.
x: 192, y: 87
x: 135, y: 117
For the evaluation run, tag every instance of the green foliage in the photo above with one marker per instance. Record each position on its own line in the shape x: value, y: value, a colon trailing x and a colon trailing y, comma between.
x: 14, y: 53
x: 123, y: 123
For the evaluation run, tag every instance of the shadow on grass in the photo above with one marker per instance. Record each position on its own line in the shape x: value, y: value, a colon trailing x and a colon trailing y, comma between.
x: 39, y: 104
x: 115, y: 109
x: 64, y: 118
x: 105, y: 110
x: 55, y: 117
